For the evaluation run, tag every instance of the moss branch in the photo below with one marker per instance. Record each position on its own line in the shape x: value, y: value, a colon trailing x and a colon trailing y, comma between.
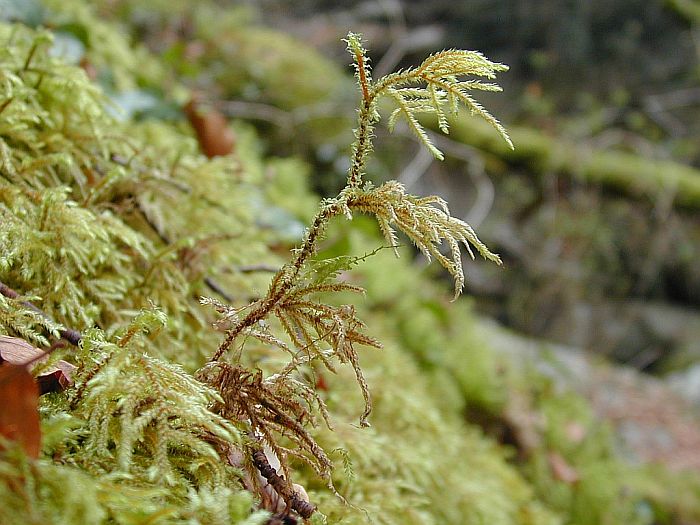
x: 362, y: 145
x: 285, y: 278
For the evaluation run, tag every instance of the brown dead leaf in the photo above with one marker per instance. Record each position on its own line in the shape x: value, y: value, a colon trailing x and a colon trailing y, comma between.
x: 56, y: 378
x: 575, y: 431
x: 561, y: 470
x: 212, y: 130
x: 525, y: 422
x: 89, y: 68
x: 19, y: 352
x: 19, y: 415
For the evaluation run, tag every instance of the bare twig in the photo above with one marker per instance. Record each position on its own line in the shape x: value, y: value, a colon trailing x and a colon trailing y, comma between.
x: 281, y: 486
x: 253, y: 268
x: 72, y: 336
x: 216, y: 288
x: 211, y: 283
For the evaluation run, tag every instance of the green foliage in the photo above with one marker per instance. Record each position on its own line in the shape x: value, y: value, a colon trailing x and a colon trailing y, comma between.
x: 135, y: 439
x: 146, y: 415
x: 454, y: 476
x: 82, y: 200
x: 89, y: 206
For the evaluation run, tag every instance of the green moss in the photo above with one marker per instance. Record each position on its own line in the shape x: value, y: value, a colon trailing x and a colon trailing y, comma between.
x: 101, y: 218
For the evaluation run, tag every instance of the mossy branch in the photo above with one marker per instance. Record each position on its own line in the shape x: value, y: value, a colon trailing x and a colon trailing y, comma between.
x: 425, y: 225
x: 426, y: 221
x: 314, y: 330
x: 443, y: 92
x: 72, y: 336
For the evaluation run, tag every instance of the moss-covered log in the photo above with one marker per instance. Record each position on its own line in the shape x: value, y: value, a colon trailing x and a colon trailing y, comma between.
x: 628, y: 173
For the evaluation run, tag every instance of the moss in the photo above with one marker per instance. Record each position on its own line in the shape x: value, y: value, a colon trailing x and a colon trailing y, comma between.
x: 420, y: 463
x: 102, y: 217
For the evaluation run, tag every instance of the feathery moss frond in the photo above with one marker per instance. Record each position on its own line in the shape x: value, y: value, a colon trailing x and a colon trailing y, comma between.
x: 442, y: 92
x: 425, y: 220
x: 18, y: 318
x: 440, y: 74
x: 146, y: 414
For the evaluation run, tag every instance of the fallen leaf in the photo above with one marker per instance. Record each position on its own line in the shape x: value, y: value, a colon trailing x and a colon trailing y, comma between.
x: 18, y: 352
x: 526, y: 423
x: 19, y: 415
x: 321, y: 382
x: 575, y: 431
x: 561, y: 470
x: 212, y: 130
x: 89, y: 68
x: 56, y: 378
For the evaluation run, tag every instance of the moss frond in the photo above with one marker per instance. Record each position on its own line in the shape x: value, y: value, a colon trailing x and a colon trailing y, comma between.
x: 147, y: 415
x: 275, y: 407
x: 425, y: 220
x: 443, y: 91
x: 433, y: 87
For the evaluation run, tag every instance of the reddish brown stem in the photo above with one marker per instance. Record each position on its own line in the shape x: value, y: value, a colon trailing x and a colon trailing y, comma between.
x: 363, y: 76
x: 284, y: 280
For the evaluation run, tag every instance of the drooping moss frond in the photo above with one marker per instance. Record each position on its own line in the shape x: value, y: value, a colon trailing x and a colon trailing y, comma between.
x: 425, y: 220
x: 443, y: 92
x: 274, y: 408
x: 147, y: 415
x: 436, y: 86
x: 310, y: 323
x: 317, y: 332
x: 314, y: 329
